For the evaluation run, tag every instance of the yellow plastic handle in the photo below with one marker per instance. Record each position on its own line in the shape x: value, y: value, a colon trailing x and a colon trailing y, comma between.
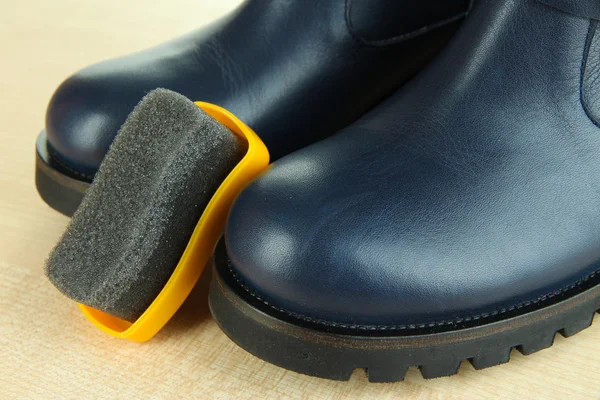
x: 201, y: 244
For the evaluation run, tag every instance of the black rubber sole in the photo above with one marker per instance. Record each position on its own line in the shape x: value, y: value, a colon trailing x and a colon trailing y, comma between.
x: 323, y: 354
x: 60, y: 191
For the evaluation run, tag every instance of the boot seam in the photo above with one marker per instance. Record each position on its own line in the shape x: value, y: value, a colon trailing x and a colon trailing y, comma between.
x: 54, y: 157
x: 400, y: 327
x: 592, y: 32
x: 402, y: 37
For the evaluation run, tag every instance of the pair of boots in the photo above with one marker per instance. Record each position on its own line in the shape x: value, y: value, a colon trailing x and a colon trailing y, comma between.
x: 456, y: 219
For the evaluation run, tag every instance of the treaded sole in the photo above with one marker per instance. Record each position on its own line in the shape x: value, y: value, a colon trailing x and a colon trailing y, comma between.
x: 386, y: 359
x: 59, y: 191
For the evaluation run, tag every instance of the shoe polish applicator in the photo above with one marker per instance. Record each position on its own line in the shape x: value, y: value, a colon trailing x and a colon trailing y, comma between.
x: 149, y: 222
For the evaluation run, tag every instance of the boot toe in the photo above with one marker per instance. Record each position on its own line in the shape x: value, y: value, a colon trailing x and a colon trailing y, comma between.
x: 84, y: 115
x: 324, y: 235
x: 290, y: 248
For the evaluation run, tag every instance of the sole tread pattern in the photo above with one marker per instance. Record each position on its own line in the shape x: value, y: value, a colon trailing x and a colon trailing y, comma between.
x: 387, y: 359
x: 488, y: 358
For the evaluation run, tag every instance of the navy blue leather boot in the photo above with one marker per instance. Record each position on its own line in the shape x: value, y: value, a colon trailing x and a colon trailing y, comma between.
x: 455, y: 221
x: 295, y: 71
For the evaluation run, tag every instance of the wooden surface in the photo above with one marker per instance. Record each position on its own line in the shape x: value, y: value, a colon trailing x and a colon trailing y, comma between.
x: 47, y: 348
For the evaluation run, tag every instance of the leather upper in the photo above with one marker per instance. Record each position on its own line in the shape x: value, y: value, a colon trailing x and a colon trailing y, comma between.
x: 292, y: 70
x: 473, y: 190
x: 582, y: 8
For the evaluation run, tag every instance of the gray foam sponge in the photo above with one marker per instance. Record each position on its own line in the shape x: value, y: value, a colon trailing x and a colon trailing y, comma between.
x: 128, y: 234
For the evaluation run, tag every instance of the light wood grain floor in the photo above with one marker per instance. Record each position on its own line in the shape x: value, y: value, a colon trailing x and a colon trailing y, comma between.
x: 47, y: 348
